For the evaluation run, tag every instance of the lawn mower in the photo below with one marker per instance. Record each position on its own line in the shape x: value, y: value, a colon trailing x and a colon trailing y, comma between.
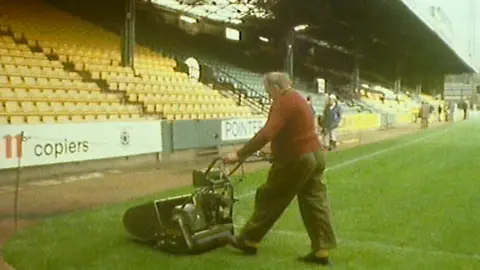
x: 191, y: 223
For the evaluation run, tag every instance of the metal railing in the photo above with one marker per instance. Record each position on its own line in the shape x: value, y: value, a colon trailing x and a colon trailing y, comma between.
x: 241, y: 89
x: 244, y: 94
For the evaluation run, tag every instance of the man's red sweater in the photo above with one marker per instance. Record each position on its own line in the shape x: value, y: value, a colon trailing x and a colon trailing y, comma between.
x: 290, y: 128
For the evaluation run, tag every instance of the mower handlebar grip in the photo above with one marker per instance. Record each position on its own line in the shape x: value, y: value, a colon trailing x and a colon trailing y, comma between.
x: 215, y: 160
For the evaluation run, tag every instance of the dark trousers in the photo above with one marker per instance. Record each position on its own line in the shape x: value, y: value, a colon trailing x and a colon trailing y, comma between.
x: 303, y: 178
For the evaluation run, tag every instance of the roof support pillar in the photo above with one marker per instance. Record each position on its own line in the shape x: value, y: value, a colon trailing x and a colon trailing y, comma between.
x: 355, y: 85
x: 289, y: 57
x: 420, y: 79
x: 128, y: 34
x: 439, y: 86
x: 418, y: 89
x: 397, y: 87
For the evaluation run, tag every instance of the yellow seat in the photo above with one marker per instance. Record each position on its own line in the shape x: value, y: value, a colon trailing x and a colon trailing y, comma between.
x: 96, y: 75
x: 133, y: 109
x: 22, y: 47
x: 43, y: 107
x: 102, y: 117
x: 3, y: 120
x: 73, y: 94
x: 12, y: 107
x: 58, y: 108
x: 99, y: 96
x: 48, y: 119
x: 77, y: 118
x: 46, y: 93
x: 48, y: 50
x: 133, y: 97
x: 16, y: 81
x: 28, y: 107
x: 7, y: 93
x: 150, y: 107
x: 4, y: 28
x: 115, y: 107
x: 113, y: 86
x: 113, y: 117
x: 33, y: 119
x: 11, y: 69
x: 61, y: 95
x: 90, y: 118
x: 40, y: 83
x: 19, y: 61
x: 16, y: 120
x: 80, y: 66
x: 63, y: 118
x: 55, y: 84
x: 21, y: 93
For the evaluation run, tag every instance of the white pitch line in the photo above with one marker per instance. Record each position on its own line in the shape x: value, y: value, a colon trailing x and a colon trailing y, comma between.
x: 382, y: 246
x: 370, y: 155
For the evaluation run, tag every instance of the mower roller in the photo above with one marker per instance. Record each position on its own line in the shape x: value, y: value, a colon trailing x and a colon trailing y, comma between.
x: 191, y: 223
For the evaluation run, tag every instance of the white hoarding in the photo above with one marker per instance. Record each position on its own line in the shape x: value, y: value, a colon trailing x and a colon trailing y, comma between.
x: 58, y: 143
x: 320, y: 85
x: 241, y: 128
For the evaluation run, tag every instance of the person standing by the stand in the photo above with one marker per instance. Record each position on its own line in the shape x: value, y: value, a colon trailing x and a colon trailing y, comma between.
x: 332, y: 115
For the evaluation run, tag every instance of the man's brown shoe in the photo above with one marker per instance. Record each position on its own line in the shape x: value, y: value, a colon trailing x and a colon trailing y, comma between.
x: 312, y: 258
x: 243, y: 246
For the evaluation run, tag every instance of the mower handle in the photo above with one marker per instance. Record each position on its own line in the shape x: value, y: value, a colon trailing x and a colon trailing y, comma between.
x: 215, y: 160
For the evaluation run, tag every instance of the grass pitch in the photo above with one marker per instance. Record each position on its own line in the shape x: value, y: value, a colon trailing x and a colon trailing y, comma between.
x: 407, y: 203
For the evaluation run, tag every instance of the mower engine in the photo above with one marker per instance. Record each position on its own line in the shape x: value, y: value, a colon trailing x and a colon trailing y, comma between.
x: 190, y: 223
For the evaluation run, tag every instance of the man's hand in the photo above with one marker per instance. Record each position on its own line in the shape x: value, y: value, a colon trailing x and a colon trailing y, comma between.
x: 231, y: 158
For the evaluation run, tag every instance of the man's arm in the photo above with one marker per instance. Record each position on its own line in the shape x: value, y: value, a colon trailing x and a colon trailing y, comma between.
x: 274, y: 124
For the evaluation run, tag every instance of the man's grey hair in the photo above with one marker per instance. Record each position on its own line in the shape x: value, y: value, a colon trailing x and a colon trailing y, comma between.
x: 279, y: 79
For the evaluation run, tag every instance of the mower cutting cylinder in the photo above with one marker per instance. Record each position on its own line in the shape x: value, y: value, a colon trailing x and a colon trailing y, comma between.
x: 214, y: 236
x: 192, y: 223
x: 220, y: 237
x: 217, y: 232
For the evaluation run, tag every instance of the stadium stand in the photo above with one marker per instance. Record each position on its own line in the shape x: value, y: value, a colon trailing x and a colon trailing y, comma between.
x: 48, y: 73
x: 227, y: 68
x: 56, y: 67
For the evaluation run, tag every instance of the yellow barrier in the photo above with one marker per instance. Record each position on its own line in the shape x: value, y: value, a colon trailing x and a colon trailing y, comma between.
x: 359, y: 122
x: 404, y: 118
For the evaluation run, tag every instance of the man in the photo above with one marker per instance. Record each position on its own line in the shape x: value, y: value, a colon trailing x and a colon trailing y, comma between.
x: 464, y: 107
x: 314, y: 112
x: 452, y: 108
x: 297, y: 169
x: 332, y: 115
x: 446, y: 112
x: 439, y: 111
x: 424, y: 114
